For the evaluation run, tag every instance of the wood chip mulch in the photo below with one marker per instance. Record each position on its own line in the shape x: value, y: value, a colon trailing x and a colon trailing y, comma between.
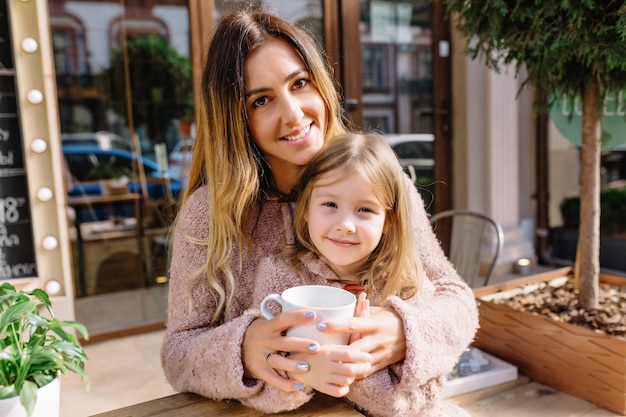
x: 560, y: 304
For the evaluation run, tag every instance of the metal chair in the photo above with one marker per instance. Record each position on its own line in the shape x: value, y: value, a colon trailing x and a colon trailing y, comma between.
x: 468, y: 232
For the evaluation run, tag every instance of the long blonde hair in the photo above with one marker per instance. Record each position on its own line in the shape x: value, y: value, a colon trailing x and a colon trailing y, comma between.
x: 394, y: 267
x: 225, y: 158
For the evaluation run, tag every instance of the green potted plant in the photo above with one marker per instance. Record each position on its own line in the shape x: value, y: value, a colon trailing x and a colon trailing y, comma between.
x: 159, y: 81
x: 35, y: 348
x: 113, y: 178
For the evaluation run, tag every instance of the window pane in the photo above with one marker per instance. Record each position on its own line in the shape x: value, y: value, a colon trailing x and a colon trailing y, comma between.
x: 124, y: 86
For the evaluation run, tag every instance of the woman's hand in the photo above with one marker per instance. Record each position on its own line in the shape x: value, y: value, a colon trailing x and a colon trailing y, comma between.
x: 381, y: 335
x: 362, y: 309
x: 333, y: 369
x: 264, y: 343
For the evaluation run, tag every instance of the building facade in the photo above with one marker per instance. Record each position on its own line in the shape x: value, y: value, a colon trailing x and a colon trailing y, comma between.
x: 110, y: 67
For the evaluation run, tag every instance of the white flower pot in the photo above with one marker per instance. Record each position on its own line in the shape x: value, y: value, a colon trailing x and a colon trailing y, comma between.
x: 115, y: 186
x: 48, y: 403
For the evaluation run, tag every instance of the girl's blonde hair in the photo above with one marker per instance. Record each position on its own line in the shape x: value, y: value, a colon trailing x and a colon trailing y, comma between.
x: 394, y: 267
x: 225, y: 158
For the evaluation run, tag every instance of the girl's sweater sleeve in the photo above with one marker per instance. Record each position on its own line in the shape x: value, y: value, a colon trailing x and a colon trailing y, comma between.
x: 198, y: 356
x: 439, y: 324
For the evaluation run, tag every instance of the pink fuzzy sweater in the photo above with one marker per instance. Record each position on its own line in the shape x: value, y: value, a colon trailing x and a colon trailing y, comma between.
x: 204, y: 358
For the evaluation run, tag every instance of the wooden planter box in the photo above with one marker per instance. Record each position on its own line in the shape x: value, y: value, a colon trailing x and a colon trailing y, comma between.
x: 567, y: 357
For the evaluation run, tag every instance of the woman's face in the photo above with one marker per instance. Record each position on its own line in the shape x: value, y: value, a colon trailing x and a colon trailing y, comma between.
x: 286, y: 112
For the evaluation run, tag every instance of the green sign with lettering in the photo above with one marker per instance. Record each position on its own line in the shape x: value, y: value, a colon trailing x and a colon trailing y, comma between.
x: 613, y: 119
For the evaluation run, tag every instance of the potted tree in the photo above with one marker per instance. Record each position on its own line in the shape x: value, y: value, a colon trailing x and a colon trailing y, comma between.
x: 35, y: 349
x: 568, y: 49
x: 157, y: 78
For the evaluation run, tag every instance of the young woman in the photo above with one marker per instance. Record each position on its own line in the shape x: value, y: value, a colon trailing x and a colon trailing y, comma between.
x: 268, y: 107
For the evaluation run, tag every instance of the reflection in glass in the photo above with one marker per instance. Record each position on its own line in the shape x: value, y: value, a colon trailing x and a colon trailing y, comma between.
x: 88, y: 37
x: 124, y: 88
x: 307, y: 13
x: 396, y: 45
x: 396, y: 42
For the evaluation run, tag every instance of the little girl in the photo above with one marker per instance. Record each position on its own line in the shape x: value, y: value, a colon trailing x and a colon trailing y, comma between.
x: 353, y: 230
x: 353, y: 212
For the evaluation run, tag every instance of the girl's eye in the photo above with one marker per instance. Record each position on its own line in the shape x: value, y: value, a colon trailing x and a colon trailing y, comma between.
x: 260, y: 102
x: 365, y: 210
x: 329, y: 204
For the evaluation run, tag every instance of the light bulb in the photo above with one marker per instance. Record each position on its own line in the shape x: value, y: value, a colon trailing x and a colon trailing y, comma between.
x: 29, y: 45
x: 34, y: 96
x: 49, y: 242
x: 53, y: 287
x: 44, y: 194
x: 38, y: 145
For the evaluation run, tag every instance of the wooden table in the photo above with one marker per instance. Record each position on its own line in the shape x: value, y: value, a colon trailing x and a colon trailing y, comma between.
x: 192, y: 405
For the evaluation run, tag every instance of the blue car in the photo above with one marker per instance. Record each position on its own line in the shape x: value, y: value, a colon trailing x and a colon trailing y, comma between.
x: 84, y: 161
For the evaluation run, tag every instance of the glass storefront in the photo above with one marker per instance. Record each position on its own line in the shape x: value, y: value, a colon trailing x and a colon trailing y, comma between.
x: 396, y: 46
x: 125, y: 100
x: 306, y: 13
x: 125, y: 94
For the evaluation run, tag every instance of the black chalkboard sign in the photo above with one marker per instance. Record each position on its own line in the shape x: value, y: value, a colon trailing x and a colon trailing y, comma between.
x: 17, y: 252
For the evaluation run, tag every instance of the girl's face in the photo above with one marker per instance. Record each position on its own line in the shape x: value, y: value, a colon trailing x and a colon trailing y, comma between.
x: 345, y: 221
x: 286, y: 112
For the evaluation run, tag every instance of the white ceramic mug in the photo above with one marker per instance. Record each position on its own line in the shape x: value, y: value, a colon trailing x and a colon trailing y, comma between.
x: 327, y: 303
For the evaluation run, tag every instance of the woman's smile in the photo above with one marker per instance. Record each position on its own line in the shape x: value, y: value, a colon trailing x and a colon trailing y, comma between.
x: 299, y: 135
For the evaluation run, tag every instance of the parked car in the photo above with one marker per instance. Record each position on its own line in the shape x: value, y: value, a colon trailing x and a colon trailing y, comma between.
x: 84, y: 161
x: 102, y: 140
x: 614, y: 167
x: 416, y: 154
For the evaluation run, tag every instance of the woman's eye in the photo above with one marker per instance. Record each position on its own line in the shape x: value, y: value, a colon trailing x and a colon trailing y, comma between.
x: 301, y: 83
x: 260, y: 102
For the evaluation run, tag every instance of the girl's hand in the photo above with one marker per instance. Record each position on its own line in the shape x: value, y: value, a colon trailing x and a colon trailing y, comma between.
x: 333, y: 369
x: 264, y: 343
x: 381, y: 335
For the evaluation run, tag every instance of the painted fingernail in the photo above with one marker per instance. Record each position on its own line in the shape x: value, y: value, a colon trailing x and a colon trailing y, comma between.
x: 299, y: 386
x: 314, y: 347
x: 309, y: 314
x: 303, y: 366
x: 321, y: 326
